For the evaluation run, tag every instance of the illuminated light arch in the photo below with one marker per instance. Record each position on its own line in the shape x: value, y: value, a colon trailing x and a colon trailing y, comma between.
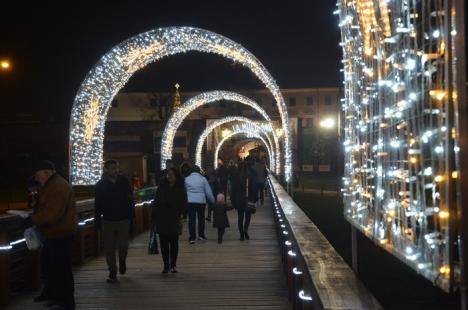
x: 115, y: 68
x: 176, y: 119
x: 249, y: 134
x: 229, y: 119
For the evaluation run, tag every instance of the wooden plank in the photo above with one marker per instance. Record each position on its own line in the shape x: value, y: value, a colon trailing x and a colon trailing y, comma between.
x: 233, y: 275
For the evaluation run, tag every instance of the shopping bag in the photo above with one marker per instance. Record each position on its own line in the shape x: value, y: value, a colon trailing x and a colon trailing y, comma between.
x: 33, y: 238
x: 153, y: 242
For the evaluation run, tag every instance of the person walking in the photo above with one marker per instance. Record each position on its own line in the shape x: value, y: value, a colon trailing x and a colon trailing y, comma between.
x: 170, y: 202
x: 260, y: 176
x: 114, y: 203
x: 198, y: 192
x: 56, y: 217
x: 238, y: 180
x: 220, y: 218
x: 223, y: 175
x: 215, y: 188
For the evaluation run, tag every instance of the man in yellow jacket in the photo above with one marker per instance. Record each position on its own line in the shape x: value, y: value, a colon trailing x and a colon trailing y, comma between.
x: 56, y: 218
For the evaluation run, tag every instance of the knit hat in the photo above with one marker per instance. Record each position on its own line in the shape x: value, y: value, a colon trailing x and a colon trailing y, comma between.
x: 43, y: 165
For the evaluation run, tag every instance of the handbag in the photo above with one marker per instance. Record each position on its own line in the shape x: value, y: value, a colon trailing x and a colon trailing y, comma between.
x: 153, y: 242
x: 252, y: 207
x: 33, y: 238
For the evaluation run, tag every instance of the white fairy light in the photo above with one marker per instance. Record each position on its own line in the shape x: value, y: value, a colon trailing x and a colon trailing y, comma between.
x: 398, y: 167
x: 249, y: 134
x: 255, y: 127
x: 115, y: 68
x: 176, y: 119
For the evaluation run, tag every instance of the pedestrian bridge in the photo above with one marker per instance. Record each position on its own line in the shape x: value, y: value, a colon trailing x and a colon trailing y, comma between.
x: 287, y: 264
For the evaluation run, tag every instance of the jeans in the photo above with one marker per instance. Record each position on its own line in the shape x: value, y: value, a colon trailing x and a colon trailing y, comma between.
x: 261, y: 191
x: 210, y: 210
x: 196, y: 210
x: 243, y: 220
x: 59, y: 272
x: 169, y: 249
x: 115, y: 234
x: 44, y: 262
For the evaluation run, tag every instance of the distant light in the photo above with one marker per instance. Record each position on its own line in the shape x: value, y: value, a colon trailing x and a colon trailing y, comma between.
x: 327, y: 123
x: 5, y: 64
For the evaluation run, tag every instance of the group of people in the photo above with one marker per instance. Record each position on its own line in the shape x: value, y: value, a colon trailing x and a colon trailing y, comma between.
x: 181, y: 193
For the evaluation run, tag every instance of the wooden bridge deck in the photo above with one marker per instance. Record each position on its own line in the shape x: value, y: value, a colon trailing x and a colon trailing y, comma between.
x: 233, y: 275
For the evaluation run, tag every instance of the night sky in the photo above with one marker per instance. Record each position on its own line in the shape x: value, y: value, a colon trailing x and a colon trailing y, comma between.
x: 54, y: 44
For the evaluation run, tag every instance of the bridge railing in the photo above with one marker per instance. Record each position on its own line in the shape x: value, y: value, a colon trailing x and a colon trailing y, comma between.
x: 317, y: 276
x: 19, y: 267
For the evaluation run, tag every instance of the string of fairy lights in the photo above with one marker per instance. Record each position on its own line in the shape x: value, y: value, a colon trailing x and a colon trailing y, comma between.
x: 249, y: 134
x: 115, y: 68
x: 401, y: 130
x: 193, y: 103
x: 249, y: 124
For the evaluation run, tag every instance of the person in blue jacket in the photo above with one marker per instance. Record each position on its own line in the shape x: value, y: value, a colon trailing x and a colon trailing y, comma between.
x: 198, y: 193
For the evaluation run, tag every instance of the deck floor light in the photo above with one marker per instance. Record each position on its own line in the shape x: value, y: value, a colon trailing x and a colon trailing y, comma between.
x: 303, y: 296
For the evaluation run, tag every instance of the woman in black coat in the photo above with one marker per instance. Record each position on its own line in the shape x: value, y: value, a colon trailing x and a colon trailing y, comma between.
x: 238, y: 180
x: 170, y: 203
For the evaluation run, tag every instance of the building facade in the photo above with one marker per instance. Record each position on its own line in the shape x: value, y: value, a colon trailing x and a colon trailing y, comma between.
x: 136, y: 121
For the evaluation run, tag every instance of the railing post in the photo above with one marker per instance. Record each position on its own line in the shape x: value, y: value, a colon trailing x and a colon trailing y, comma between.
x: 4, y: 272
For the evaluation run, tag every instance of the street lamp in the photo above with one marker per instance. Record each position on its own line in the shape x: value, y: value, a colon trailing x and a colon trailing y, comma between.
x: 327, y: 123
x: 5, y: 65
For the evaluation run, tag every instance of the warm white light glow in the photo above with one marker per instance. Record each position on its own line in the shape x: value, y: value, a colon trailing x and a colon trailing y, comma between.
x: 197, y: 101
x: 116, y: 67
x: 248, y: 134
x: 401, y: 129
x: 246, y: 125
x: 327, y: 123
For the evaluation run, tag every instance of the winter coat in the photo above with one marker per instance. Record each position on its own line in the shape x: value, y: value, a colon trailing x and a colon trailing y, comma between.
x: 198, y: 189
x: 252, y: 193
x: 56, y: 215
x: 238, y: 189
x: 260, y: 172
x: 169, y: 204
x: 220, y: 218
x: 114, y: 200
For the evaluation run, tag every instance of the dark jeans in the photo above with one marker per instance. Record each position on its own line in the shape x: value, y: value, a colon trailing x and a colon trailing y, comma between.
x: 261, y: 191
x: 59, y: 271
x: 243, y: 220
x: 169, y: 249
x: 196, y: 210
x: 210, y: 210
x: 44, y: 262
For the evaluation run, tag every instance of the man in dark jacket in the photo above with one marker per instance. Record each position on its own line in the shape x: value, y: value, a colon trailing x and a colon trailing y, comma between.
x: 115, y: 204
x: 56, y: 218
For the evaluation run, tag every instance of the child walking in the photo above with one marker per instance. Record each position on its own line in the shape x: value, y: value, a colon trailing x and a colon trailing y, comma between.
x: 220, y: 218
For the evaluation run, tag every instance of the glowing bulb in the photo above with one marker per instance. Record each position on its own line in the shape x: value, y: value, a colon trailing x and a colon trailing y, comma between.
x: 443, y: 214
x: 436, y: 33
x: 439, y: 178
x: 327, y: 123
x: 5, y: 64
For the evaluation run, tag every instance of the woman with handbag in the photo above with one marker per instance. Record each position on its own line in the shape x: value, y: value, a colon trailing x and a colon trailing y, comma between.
x: 170, y: 202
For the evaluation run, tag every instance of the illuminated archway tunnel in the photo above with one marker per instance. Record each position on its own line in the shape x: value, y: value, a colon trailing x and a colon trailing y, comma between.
x: 248, y: 134
x: 255, y: 127
x: 202, y: 99
x: 115, y: 68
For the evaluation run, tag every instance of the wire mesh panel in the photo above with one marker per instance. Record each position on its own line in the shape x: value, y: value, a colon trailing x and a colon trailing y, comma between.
x: 401, y: 130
